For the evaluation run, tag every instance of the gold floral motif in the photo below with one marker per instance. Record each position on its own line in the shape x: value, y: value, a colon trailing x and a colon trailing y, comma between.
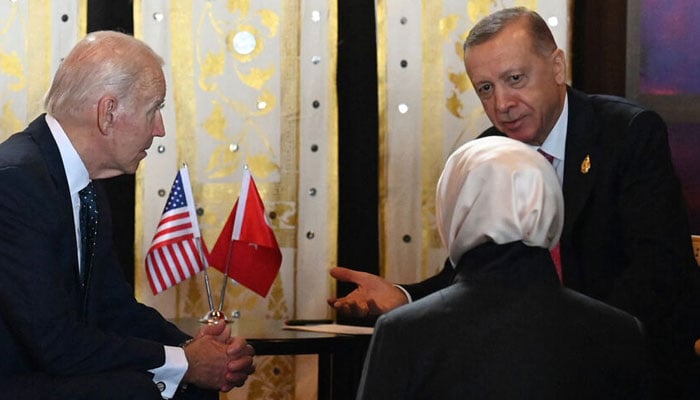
x: 223, y: 162
x: 454, y: 105
x: 9, y: 122
x: 270, y: 20
x: 262, y: 165
x: 276, y: 303
x: 238, y: 5
x: 273, y: 378
x: 479, y: 9
x: 459, y: 81
x: 531, y: 4
x: 11, y: 64
x: 212, y: 66
x: 447, y: 25
x: 256, y: 77
x: 215, y: 124
x: 196, y: 298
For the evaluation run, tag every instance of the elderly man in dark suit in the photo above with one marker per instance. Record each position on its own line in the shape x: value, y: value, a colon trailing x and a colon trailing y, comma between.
x: 626, y: 239
x: 506, y: 329
x: 70, y: 327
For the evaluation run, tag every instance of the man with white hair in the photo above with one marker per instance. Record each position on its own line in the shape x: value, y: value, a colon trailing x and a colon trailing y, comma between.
x: 70, y: 327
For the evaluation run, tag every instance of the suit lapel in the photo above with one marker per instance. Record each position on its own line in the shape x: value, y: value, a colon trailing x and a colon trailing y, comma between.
x: 580, y: 169
x: 40, y: 133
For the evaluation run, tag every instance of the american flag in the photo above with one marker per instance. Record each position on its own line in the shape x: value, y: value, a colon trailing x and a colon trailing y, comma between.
x: 174, y: 255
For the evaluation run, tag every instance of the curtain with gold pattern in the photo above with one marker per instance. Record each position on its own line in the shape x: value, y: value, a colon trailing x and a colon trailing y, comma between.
x: 249, y: 83
x: 34, y: 36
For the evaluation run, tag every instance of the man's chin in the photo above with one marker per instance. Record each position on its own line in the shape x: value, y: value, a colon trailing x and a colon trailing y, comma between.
x: 520, y: 135
x: 131, y: 169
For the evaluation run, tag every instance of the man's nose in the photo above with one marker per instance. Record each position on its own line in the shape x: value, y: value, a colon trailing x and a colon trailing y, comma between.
x: 503, y: 100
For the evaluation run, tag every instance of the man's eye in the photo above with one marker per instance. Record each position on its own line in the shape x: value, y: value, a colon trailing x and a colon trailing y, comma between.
x: 484, y: 89
x: 516, y: 78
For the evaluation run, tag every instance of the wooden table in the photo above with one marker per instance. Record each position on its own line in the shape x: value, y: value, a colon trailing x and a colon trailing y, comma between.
x: 340, y: 357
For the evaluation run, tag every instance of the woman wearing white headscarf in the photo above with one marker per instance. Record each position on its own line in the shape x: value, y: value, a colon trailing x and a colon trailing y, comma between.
x: 506, y: 328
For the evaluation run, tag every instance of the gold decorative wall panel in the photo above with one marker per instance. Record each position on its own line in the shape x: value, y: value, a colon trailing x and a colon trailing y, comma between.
x: 249, y: 83
x: 34, y: 36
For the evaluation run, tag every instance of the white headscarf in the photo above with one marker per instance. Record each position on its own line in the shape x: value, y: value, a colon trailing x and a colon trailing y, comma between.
x: 499, y: 190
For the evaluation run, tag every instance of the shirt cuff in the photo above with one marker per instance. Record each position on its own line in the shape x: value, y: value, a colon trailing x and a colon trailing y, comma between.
x: 405, y: 292
x: 168, y: 376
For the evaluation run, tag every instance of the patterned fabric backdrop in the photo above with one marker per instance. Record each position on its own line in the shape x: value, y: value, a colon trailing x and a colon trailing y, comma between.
x: 249, y: 83
x: 34, y: 35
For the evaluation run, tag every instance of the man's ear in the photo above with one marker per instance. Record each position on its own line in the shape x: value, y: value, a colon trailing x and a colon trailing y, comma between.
x: 106, y: 113
x: 559, y: 60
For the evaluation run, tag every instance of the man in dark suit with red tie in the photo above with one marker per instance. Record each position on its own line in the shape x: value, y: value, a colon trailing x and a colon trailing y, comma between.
x: 626, y: 239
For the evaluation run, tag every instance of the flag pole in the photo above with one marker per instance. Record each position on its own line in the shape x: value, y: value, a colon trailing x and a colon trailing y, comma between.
x: 226, y: 278
x: 234, y: 234
x: 206, y: 279
x: 212, y: 316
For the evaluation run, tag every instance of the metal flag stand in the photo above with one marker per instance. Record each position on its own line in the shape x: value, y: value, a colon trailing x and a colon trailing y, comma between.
x: 218, y: 315
x: 212, y: 316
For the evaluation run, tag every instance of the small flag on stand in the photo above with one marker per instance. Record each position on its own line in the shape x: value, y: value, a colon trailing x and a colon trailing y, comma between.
x: 174, y: 254
x: 247, y: 242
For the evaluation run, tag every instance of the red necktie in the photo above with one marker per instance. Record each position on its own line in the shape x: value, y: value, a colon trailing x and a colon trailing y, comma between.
x: 556, y: 257
x: 546, y: 155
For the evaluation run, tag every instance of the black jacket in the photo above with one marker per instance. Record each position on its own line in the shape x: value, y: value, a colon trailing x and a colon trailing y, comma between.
x: 506, y: 329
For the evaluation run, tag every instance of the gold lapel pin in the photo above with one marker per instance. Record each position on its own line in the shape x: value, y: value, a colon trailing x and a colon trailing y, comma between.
x: 586, y: 165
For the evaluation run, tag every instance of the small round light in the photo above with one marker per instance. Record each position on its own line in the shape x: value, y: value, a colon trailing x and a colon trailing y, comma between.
x: 244, y: 42
x: 403, y: 108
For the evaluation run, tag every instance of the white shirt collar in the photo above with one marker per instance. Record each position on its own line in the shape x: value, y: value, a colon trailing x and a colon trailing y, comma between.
x: 76, y: 172
x: 555, y: 144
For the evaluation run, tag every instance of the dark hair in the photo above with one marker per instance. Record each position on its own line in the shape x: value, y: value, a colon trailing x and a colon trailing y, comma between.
x: 491, y: 25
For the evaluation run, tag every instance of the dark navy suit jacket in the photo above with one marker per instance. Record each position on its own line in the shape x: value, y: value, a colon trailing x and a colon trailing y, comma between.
x: 48, y: 324
x: 506, y: 329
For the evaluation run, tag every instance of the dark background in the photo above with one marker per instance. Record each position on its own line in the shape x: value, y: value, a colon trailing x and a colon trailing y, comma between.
x: 597, y: 66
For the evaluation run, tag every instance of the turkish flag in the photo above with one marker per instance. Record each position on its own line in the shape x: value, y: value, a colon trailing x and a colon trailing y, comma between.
x: 247, y: 246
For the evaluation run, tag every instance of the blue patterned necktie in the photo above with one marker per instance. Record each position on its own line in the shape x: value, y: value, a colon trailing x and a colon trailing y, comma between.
x: 88, y: 227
